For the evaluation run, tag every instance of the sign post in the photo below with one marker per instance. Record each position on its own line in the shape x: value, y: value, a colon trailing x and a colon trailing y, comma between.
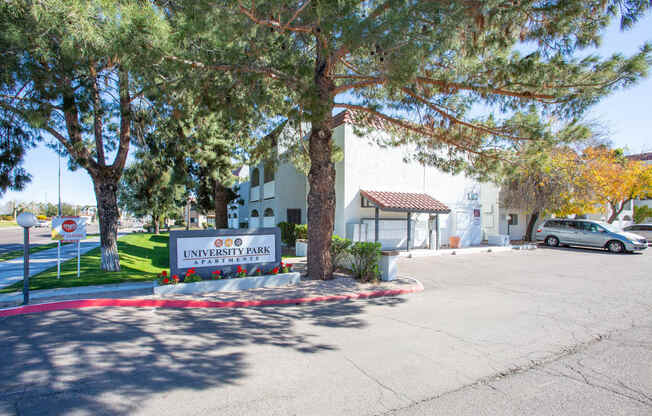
x: 26, y: 220
x: 68, y: 229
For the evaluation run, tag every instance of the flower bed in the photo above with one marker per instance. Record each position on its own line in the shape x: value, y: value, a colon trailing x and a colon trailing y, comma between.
x: 192, y: 283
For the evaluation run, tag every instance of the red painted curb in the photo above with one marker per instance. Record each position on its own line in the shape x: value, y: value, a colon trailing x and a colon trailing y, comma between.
x: 172, y: 303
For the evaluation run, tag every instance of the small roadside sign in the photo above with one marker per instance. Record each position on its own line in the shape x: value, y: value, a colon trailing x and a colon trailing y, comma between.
x: 68, y: 228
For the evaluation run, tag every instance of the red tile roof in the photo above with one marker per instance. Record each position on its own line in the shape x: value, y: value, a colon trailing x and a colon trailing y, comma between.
x: 405, y: 201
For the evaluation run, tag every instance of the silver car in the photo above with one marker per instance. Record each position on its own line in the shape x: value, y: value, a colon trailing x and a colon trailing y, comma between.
x: 589, y: 233
x: 644, y: 230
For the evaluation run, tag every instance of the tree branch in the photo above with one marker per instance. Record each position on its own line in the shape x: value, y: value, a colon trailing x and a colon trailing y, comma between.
x: 418, y: 129
x: 455, y: 120
x: 250, y: 13
x: 125, y: 124
x: 270, y: 73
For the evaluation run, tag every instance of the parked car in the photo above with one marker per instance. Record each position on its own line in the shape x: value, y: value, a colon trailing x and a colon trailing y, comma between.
x: 42, y: 224
x: 589, y: 233
x: 644, y: 230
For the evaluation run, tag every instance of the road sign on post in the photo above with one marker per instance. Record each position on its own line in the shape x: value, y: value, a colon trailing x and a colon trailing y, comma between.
x: 68, y: 229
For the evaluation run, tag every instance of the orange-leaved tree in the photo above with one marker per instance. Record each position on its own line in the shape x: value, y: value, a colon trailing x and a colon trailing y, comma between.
x: 614, y: 179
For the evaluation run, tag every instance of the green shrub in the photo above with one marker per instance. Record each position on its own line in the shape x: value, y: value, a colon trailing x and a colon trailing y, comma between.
x: 642, y: 213
x: 340, y: 251
x: 301, y: 231
x: 288, y: 234
x: 7, y: 217
x: 365, y: 260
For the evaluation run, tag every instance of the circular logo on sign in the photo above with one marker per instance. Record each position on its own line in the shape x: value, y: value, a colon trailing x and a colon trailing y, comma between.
x: 238, y: 242
x: 218, y: 243
x: 228, y: 242
x: 69, y: 226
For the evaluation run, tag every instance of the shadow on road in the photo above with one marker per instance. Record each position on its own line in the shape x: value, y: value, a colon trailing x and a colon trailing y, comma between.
x: 92, y: 359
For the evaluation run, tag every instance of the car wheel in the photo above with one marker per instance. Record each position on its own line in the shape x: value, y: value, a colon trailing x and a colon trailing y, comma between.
x: 552, y: 241
x: 615, y: 246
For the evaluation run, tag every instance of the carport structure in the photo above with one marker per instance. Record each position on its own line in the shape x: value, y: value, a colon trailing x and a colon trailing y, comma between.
x: 407, y: 202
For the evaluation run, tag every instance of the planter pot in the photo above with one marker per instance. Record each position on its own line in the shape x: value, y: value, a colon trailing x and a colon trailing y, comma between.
x: 388, y: 267
x: 301, y: 248
x: 454, y: 241
x: 229, y: 285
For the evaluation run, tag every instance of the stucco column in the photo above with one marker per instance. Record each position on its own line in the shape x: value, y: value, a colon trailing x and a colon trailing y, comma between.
x: 409, y: 229
x: 376, y: 222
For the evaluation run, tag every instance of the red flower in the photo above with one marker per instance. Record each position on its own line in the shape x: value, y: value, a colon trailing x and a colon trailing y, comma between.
x: 239, y: 268
x: 217, y: 272
x: 166, y: 281
x: 275, y: 270
x: 244, y: 271
x: 289, y: 266
x: 176, y: 278
x: 164, y: 273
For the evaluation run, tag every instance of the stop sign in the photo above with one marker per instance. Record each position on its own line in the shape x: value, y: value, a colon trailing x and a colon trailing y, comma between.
x: 69, y: 226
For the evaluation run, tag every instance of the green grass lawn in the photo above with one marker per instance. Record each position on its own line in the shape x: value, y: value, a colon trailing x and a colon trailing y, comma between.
x: 142, y: 257
x: 19, y: 253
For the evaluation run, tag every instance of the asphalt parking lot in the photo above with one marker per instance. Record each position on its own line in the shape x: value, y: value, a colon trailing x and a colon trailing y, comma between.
x: 549, y: 331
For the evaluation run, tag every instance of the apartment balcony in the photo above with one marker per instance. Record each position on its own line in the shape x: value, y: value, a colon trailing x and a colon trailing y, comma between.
x: 255, y: 193
x: 268, y: 190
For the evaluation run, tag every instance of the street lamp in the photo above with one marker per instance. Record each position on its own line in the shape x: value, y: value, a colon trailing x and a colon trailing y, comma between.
x: 26, y: 220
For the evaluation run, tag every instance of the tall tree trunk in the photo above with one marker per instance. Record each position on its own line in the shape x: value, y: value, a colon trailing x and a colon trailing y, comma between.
x: 107, y: 210
x: 221, y: 198
x: 157, y: 224
x: 321, y: 196
x: 530, y: 225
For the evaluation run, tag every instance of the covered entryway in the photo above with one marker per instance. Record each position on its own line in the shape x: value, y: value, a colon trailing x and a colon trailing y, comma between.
x: 420, y: 226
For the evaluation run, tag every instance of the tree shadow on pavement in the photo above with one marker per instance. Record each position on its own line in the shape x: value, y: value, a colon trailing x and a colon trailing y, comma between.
x: 109, y: 360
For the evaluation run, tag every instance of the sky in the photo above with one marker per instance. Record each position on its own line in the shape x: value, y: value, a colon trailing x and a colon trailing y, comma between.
x: 627, y: 114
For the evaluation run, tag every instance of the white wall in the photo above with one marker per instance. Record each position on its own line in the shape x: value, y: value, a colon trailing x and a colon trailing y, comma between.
x: 368, y: 166
x: 290, y: 192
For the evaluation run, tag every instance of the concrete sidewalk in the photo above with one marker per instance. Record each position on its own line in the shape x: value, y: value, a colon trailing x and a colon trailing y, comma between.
x: 11, y: 271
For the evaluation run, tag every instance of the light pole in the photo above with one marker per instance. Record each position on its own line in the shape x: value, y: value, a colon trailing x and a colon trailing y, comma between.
x: 26, y: 220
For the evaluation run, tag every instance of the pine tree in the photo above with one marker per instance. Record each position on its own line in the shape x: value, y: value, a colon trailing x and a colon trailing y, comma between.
x: 415, y: 67
x: 71, y: 71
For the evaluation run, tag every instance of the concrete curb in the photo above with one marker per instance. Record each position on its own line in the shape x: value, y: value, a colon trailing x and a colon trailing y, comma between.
x: 171, y: 303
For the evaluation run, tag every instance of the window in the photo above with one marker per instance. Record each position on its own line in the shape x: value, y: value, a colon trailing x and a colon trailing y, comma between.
x: 254, y: 213
x: 575, y: 225
x: 255, y: 177
x: 551, y: 224
x: 512, y: 219
x: 627, y: 218
x: 269, y: 212
x: 269, y: 170
x: 294, y: 215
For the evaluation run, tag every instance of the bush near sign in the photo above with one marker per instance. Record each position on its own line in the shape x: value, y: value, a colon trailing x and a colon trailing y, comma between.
x: 225, y: 250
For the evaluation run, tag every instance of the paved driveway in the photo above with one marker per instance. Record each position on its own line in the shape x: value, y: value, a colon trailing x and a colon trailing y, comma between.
x: 483, y: 320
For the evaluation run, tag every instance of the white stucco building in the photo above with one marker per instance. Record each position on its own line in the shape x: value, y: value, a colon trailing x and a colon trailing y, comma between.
x: 278, y: 192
